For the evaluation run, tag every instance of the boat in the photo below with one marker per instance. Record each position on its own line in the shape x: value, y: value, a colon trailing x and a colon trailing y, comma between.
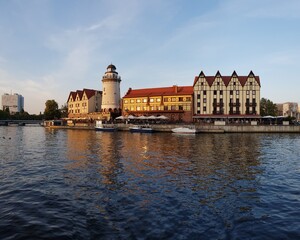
x: 104, y: 128
x: 141, y: 129
x: 184, y: 130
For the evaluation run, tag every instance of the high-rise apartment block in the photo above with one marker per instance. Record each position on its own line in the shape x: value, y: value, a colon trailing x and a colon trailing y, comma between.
x: 14, y: 102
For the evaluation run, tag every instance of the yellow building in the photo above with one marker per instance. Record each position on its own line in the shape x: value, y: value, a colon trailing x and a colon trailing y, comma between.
x: 226, y: 96
x: 82, y: 102
x: 174, y: 102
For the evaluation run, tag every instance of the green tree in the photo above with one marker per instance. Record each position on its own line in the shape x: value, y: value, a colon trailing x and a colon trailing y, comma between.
x: 51, y: 110
x: 267, y: 107
x: 64, y: 111
x: 4, y: 115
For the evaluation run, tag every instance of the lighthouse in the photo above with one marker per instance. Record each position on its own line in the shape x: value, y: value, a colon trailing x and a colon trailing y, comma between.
x: 111, y: 90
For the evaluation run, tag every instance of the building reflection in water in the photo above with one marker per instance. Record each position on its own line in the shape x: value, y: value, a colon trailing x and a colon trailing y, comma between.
x: 220, y: 169
x: 97, y: 155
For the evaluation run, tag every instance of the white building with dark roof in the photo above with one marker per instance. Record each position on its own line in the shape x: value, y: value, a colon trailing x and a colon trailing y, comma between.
x: 226, y: 96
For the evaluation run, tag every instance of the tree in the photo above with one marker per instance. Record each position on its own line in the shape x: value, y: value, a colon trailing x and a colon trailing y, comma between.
x: 64, y: 111
x: 4, y: 115
x: 51, y: 110
x: 267, y: 107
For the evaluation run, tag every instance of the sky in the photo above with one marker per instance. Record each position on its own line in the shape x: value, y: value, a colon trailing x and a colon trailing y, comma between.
x: 49, y: 48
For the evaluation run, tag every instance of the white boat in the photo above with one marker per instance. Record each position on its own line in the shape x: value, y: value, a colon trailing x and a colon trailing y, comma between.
x: 185, y: 130
x: 141, y: 129
x: 104, y: 128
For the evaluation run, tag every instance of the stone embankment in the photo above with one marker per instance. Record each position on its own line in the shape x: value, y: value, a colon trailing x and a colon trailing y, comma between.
x: 205, y: 128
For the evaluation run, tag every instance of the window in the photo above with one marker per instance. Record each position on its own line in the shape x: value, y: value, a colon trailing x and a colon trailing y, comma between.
x: 188, y: 99
x: 144, y: 100
x: 237, y: 92
x: 215, y: 92
x: 125, y: 101
x: 247, y: 92
x: 204, y: 109
x: 253, y: 92
x: 151, y: 99
x: 131, y: 100
x: 138, y: 100
x: 157, y: 99
x: 180, y: 99
x: 198, y: 104
x: 138, y: 108
x: 221, y: 92
x: 204, y: 100
x: 165, y: 99
x: 231, y: 92
x: 198, y: 96
x: 180, y: 107
x: 204, y: 92
x: 173, y: 99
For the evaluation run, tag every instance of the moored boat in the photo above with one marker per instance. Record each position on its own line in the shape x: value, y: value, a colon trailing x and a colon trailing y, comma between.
x: 104, y: 128
x: 184, y: 130
x: 141, y: 129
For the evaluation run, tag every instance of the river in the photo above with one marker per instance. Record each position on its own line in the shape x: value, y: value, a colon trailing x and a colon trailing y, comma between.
x: 78, y: 184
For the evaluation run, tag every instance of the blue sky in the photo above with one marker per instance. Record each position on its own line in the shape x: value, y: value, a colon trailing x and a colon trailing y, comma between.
x: 51, y: 47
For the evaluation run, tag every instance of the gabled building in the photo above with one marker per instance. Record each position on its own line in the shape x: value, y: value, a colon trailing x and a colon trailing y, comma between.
x: 175, y: 102
x: 226, y: 96
x: 84, y: 101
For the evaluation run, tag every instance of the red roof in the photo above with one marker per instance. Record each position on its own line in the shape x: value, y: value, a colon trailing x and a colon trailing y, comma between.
x: 226, y: 79
x: 89, y: 93
x: 73, y: 95
x: 164, y: 91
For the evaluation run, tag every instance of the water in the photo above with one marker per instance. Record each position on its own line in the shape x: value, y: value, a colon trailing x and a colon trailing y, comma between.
x: 72, y: 184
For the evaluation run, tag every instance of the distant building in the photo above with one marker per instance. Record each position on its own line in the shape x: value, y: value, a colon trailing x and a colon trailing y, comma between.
x: 279, y: 107
x: 174, y: 102
x: 226, y: 96
x: 83, y: 102
x: 111, y: 98
x: 14, y: 102
x: 290, y: 109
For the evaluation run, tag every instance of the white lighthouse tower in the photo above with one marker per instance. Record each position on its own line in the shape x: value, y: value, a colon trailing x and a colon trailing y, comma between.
x: 111, y: 90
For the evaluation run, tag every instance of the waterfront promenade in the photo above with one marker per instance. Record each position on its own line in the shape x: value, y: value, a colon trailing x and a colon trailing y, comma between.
x: 209, y: 128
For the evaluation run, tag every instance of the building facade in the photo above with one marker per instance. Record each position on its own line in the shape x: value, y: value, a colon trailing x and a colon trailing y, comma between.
x: 175, y: 103
x: 83, y: 102
x: 111, y: 97
x: 290, y: 109
x: 14, y: 102
x: 226, y: 96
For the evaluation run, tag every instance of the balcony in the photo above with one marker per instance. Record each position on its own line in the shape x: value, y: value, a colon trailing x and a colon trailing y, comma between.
x: 251, y: 104
x: 218, y: 104
x: 234, y: 104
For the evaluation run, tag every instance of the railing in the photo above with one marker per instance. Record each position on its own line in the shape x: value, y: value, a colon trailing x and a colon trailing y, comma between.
x: 234, y: 104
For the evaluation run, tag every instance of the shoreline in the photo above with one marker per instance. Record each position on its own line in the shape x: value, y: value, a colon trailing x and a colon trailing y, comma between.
x: 201, y: 128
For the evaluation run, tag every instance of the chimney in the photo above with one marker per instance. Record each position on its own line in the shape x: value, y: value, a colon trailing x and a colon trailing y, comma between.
x: 175, y: 88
